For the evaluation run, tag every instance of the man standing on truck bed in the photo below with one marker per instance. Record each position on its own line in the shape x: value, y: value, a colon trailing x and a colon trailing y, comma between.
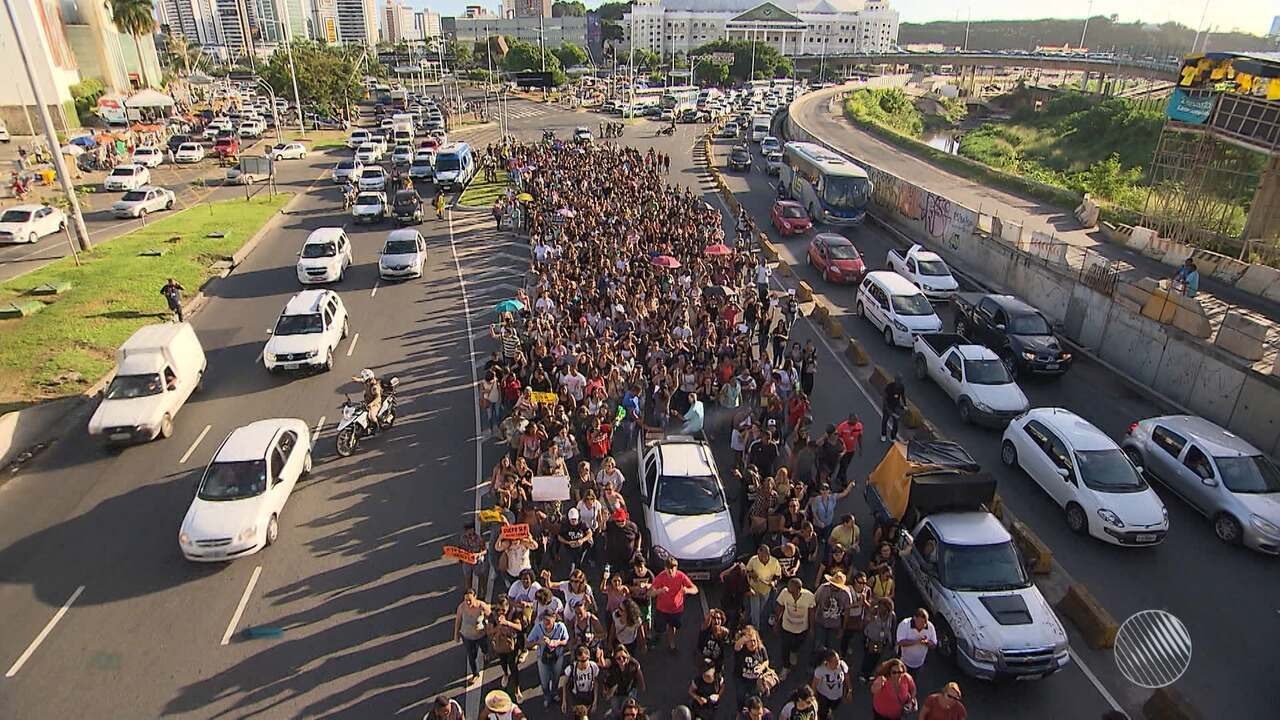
x: 895, y: 398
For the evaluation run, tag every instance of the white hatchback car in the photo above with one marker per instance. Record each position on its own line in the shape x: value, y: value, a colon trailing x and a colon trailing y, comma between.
x: 685, y: 508
x: 237, y: 507
x: 288, y: 151
x: 191, y: 152
x: 348, y: 170
x: 1087, y: 474
x: 308, y: 332
x: 147, y: 156
x: 403, y: 255
x: 368, y: 153
x: 325, y: 256
x: 127, y: 177
x: 29, y: 223
x: 370, y: 207
x: 137, y: 203
x: 373, y: 178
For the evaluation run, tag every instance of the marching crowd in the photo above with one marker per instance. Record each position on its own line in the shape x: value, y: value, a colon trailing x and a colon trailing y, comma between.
x: 640, y: 321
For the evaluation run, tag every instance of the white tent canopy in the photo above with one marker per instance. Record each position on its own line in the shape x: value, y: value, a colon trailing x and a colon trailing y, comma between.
x: 149, y: 99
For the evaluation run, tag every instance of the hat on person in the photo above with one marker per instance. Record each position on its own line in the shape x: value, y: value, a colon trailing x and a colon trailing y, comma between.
x: 835, y: 577
x: 953, y: 688
x: 498, y: 701
x: 572, y: 514
x: 619, y: 515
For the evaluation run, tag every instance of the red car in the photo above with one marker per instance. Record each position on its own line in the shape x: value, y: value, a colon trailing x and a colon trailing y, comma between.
x: 226, y: 147
x: 429, y: 143
x: 790, y: 218
x: 836, y: 258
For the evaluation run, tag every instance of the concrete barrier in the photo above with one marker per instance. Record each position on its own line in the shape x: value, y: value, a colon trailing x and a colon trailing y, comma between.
x: 768, y: 248
x: 1032, y: 547
x: 1241, y: 336
x: 857, y: 354
x: 820, y: 312
x: 833, y: 326
x: 913, y: 418
x: 997, y: 507
x: 1140, y: 238
x: 880, y: 378
x: 1090, y: 618
x: 1258, y: 279
x: 1169, y: 704
x: 804, y: 292
x: 783, y: 269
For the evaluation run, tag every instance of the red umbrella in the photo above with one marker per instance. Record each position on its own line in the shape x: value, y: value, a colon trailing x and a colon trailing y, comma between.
x: 665, y: 261
x: 718, y: 250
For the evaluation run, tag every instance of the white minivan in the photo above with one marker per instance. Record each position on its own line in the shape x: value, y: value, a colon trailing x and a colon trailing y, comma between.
x: 157, y: 369
x: 455, y: 165
x: 896, y: 307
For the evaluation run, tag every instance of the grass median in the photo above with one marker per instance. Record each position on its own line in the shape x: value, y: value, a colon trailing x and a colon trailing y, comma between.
x: 67, y: 346
x: 483, y: 194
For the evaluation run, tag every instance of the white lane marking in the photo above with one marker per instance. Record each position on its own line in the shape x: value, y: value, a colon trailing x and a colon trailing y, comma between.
x: 472, y: 700
x: 352, y: 347
x: 48, y: 628
x: 374, y: 292
x: 244, y: 601
x: 315, y: 432
x: 1093, y: 679
x: 187, y: 455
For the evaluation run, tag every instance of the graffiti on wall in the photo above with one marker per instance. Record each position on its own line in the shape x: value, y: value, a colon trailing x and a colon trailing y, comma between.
x: 911, y: 201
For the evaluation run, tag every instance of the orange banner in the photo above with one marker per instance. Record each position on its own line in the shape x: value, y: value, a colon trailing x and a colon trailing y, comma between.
x: 461, y: 555
x: 518, y: 531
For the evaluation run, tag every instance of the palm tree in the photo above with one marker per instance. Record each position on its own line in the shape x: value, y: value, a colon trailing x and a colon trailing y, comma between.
x: 180, y: 52
x: 135, y: 18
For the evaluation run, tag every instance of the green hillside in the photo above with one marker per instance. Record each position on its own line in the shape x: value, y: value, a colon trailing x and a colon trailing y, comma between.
x: 1104, y: 35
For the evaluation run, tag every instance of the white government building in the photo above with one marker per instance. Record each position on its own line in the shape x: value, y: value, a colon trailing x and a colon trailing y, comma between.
x: 792, y: 27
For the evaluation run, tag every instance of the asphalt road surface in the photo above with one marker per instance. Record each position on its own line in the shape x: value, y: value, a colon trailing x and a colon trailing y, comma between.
x: 104, y: 619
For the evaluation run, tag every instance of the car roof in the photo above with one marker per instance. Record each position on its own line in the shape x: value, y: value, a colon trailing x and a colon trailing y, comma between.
x: 324, y: 234
x: 1074, y: 429
x: 893, y: 282
x: 969, y: 528
x: 250, y: 442
x: 976, y: 352
x: 686, y: 458
x: 28, y: 207
x: 130, y: 166
x: 148, y: 188
x: 1211, y: 437
x: 305, y: 302
x: 789, y: 204
x: 1012, y: 305
x: 402, y: 234
x: 927, y: 255
x: 833, y: 239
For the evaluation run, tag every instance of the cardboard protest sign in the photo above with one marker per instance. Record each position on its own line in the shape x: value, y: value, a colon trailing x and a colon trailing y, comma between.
x: 550, y: 488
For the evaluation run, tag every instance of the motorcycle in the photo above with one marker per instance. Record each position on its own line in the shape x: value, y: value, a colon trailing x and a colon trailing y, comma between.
x: 667, y: 130
x: 355, y: 424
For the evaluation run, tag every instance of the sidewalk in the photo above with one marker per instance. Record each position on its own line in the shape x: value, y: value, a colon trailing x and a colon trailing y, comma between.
x: 823, y: 117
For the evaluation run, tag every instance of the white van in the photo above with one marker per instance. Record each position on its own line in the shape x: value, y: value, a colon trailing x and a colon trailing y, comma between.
x: 760, y: 127
x: 896, y: 307
x: 157, y: 369
x: 455, y: 165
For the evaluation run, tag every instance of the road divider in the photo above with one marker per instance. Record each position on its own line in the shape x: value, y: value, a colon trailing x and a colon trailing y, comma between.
x: 768, y: 248
x: 912, y: 417
x: 1097, y: 625
x: 857, y: 354
x: 782, y: 268
x: 1032, y: 547
x: 804, y: 292
x: 833, y: 326
x: 1169, y: 704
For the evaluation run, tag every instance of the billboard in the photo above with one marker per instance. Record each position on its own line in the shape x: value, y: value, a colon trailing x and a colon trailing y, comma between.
x: 1188, y: 108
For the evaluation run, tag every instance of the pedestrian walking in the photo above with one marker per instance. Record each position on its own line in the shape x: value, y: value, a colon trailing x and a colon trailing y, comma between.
x: 914, y: 638
x: 705, y: 690
x: 439, y: 204
x: 877, y: 636
x: 764, y: 570
x: 504, y: 631
x: 802, y: 705
x: 621, y: 679
x: 850, y: 433
x: 172, y: 292
x: 469, y: 628
x: 893, y: 692
x: 832, y: 601
x: 671, y: 586
x: 581, y: 682
x: 753, y: 678
x: 832, y: 684
x: 549, y: 638
x: 445, y: 708
x: 944, y: 705
x: 795, y: 614
x: 891, y: 407
x: 498, y: 706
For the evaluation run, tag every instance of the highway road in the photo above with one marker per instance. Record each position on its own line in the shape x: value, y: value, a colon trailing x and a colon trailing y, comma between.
x: 104, y: 619
x: 1221, y: 593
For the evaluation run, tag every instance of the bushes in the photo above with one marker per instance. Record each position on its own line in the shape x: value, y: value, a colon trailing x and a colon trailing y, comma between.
x: 889, y: 108
x: 85, y: 95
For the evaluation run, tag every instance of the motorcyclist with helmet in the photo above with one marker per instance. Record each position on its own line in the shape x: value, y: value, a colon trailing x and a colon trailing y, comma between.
x: 372, y: 395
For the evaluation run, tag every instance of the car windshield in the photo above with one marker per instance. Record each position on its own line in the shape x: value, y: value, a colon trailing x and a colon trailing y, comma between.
x: 280, y: 146
x: 373, y: 173
x: 122, y: 172
x: 1249, y: 474
x: 447, y: 163
x: 299, y: 325
x: 15, y: 216
x: 916, y: 304
x: 407, y: 198
x: 1108, y: 471
x: 933, y: 268
x: 689, y: 496
x: 134, y: 196
x: 790, y: 211
x: 368, y: 199
x: 1028, y: 325
x: 399, y: 247
x: 189, y: 147
x: 843, y: 252
x: 422, y: 162
x: 346, y: 165
x: 234, y: 480
x: 981, y: 568
x: 986, y: 372
x: 847, y: 193
x: 124, y: 387
x: 320, y: 249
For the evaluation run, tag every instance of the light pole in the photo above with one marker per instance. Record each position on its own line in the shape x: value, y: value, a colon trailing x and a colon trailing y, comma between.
x: 1085, y: 29
x: 752, y: 75
x: 1203, y: 14
x: 287, y: 36
x: 51, y: 137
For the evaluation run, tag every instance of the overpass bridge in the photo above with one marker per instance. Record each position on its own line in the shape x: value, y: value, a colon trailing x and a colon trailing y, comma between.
x: 1150, y: 70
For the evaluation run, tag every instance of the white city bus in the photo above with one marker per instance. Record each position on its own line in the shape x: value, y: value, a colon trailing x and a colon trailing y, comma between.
x: 634, y: 103
x: 831, y: 188
x: 679, y: 98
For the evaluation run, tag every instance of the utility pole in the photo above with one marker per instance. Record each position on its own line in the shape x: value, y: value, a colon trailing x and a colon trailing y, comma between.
x: 287, y: 34
x: 1088, y: 15
x: 967, y: 19
x: 1203, y: 14
x: 51, y: 137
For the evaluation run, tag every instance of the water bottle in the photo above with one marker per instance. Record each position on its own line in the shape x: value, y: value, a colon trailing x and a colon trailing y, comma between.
x: 606, y: 571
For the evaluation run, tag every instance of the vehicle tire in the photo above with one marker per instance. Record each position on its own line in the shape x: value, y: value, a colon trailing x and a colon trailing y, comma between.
x: 166, y: 427
x: 966, y: 411
x: 168, y: 204
x: 921, y: 369
x: 1009, y: 454
x: 1077, y: 520
x: 328, y: 361
x: 946, y: 639
x: 273, y: 530
x: 346, y: 441
x: 888, y: 335
x: 857, y: 310
x: 32, y: 238
x: 346, y: 327
x: 1227, y: 528
x: 306, y: 464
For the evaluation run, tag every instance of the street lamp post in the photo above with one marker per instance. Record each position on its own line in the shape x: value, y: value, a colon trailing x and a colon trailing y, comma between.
x: 293, y: 73
x: 51, y: 137
x: 1085, y: 29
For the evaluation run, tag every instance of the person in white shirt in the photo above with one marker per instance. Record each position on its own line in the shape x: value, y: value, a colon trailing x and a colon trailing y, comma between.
x: 831, y: 683
x: 610, y: 474
x: 694, y: 417
x: 573, y: 383
x: 915, y: 636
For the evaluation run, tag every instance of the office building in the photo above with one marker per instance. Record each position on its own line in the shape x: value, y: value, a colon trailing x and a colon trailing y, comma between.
x: 426, y: 24
x: 477, y: 11
x: 792, y: 27
x: 357, y: 22
x: 530, y: 8
x: 324, y: 21
x: 553, y: 31
x: 397, y: 23
x: 194, y: 20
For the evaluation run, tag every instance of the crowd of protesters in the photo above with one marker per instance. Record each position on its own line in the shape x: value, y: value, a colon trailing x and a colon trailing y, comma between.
x: 639, y: 321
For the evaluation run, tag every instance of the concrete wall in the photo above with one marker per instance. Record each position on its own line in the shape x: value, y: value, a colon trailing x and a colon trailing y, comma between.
x: 1185, y: 369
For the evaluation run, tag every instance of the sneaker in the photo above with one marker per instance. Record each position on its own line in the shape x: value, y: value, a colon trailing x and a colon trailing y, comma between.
x: 884, y: 438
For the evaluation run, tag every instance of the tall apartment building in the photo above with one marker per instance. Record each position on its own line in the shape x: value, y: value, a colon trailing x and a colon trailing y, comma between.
x: 397, y: 23
x: 357, y: 22
x: 531, y: 8
x: 426, y: 24
x: 324, y: 21
x: 194, y: 20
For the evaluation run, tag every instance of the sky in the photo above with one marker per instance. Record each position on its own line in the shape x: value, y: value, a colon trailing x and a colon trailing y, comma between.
x: 1252, y: 16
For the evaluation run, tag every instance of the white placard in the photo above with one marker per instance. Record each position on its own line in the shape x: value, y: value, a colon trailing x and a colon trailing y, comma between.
x: 549, y: 488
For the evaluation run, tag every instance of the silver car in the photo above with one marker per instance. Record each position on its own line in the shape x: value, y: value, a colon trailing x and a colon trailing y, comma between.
x: 1215, y: 471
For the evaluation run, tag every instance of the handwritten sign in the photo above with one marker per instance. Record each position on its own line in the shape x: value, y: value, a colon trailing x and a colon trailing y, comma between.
x: 491, y: 515
x: 518, y: 531
x: 550, y: 488
x: 544, y: 398
x: 461, y: 555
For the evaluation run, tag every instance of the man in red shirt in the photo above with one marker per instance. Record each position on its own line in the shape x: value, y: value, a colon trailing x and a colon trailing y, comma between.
x: 850, y: 434
x: 671, y: 586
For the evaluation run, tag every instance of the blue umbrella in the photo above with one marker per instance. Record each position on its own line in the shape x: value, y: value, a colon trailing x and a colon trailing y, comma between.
x: 85, y: 141
x: 508, y: 306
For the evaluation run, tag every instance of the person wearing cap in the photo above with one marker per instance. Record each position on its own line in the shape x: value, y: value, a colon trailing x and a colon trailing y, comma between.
x: 444, y: 708
x: 944, y: 705
x: 670, y: 587
x: 498, y: 706
x: 621, y: 539
x: 832, y: 600
x: 576, y: 538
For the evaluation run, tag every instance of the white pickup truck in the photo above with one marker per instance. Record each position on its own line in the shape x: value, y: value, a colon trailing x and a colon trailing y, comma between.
x: 972, y: 375
x: 926, y: 270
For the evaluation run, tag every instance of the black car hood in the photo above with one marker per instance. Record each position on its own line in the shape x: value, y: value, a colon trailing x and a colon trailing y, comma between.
x: 1007, y: 609
x: 1046, y: 344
